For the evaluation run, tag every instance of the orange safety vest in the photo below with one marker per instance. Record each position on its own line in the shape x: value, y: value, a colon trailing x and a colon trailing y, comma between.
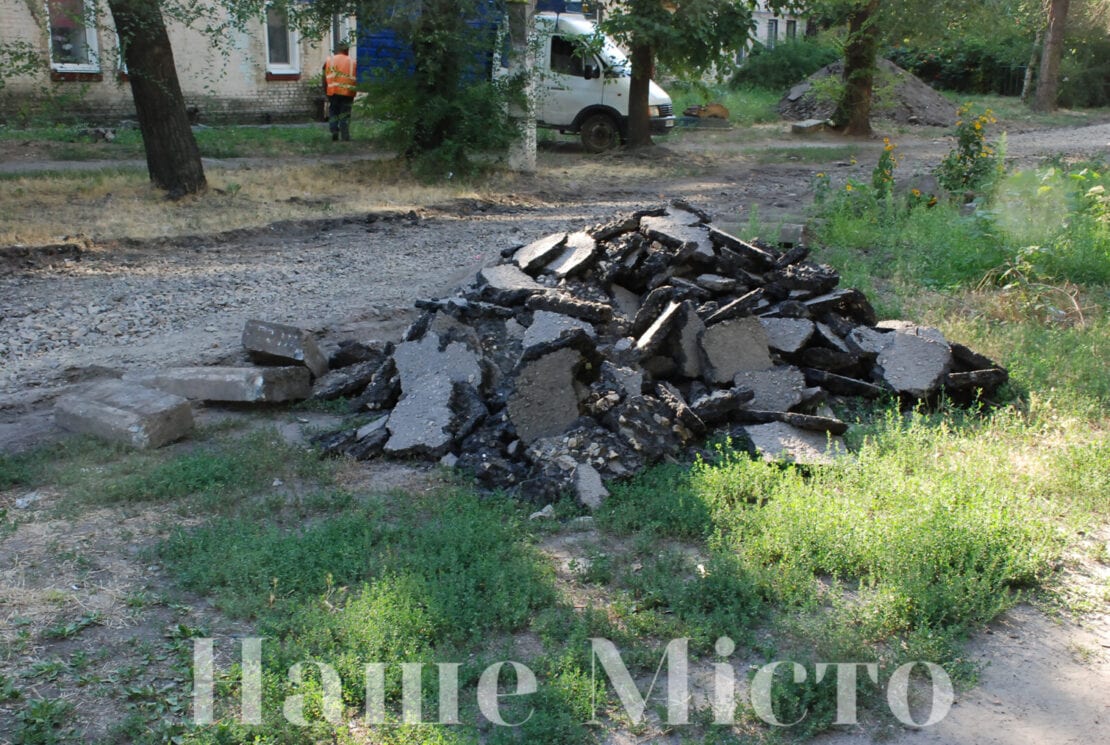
x: 339, y: 72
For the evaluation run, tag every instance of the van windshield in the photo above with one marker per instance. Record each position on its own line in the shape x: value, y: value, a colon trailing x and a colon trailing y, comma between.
x: 616, y: 64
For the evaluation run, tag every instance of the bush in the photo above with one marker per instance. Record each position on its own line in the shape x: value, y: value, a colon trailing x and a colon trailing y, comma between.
x: 974, y: 163
x: 1085, y: 74
x: 784, y: 65
x: 969, y: 65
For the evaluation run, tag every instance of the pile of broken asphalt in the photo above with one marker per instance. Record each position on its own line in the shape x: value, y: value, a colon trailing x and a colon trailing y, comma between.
x: 586, y: 356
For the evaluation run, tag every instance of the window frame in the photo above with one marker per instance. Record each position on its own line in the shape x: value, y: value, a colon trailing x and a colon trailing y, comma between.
x: 92, y: 42
x: 772, y: 38
x: 575, y: 62
x: 342, y: 27
x: 292, y: 68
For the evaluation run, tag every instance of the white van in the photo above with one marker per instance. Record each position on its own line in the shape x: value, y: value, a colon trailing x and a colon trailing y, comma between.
x: 587, y: 94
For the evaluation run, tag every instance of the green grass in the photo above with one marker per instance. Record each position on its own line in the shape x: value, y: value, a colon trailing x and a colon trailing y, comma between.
x: 214, y: 474
x: 229, y: 141
x: 746, y: 106
x: 71, y: 142
x: 1057, y: 360
x: 938, y: 247
x: 940, y: 523
x: 1010, y: 110
x: 42, y: 722
x: 804, y: 153
x: 469, y: 544
x: 405, y: 580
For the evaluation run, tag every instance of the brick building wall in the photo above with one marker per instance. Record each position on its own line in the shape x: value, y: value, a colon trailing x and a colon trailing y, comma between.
x: 233, y: 82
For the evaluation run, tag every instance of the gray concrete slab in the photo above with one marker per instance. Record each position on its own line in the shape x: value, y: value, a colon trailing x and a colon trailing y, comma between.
x: 779, y: 441
x: 778, y: 389
x: 627, y: 301
x: 787, y: 335
x: 125, y: 412
x: 588, y: 486
x: 689, y: 328
x: 535, y: 255
x: 576, y: 256
x: 507, y: 284
x: 733, y: 346
x: 544, y: 401
x: 231, y: 384
x: 279, y: 343
x: 914, y: 364
x: 548, y: 327
x: 652, y: 339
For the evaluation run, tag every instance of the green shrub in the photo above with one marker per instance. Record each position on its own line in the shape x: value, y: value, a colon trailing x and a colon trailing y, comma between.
x: 974, y: 163
x: 786, y: 64
x: 1085, y: 70
x: 1058, y: 220
x: 969, y: 64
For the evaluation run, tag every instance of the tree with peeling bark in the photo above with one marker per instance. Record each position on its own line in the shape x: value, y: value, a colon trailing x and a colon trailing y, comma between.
x: 172, y: 155
x: 853, y: 110
x: 869, y: 23
x: 1048, y: 80
x: 687, y: 36
x: 173, y: 159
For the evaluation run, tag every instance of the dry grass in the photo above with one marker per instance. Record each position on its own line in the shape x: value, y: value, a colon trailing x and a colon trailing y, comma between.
x: 109, y: 205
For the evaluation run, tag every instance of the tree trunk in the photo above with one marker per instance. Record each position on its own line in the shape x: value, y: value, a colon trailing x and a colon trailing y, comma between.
x: 1031, y: 68
x: 438, y: 53
x: 1048, y: 84
x: 639, y: 122
x: 522, y: 64
x: 172, y: 156
x: 853, y: 112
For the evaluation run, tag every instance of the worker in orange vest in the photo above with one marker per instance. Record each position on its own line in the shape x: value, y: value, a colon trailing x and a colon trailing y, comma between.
x: 339, y: 84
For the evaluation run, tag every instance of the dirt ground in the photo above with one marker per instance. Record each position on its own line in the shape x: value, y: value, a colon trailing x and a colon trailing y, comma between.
x: 66, y: 318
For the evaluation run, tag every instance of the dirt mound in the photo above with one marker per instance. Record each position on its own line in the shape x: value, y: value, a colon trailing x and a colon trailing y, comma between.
x: 900, y: 97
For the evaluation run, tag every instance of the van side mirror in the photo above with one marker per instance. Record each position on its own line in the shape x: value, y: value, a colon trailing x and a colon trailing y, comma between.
x: 591, y: 72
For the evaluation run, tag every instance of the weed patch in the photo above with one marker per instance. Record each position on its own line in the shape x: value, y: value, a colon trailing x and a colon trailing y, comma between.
x: 418, y: 582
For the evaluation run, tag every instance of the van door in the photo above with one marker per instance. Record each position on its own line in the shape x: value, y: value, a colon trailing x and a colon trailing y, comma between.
x: 564, y: 89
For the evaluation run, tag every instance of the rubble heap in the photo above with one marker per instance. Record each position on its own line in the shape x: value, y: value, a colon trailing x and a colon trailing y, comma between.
x: 585, y: 356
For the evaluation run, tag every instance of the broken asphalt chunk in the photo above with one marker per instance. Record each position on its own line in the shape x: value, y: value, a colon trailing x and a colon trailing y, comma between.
x: 276, y: 343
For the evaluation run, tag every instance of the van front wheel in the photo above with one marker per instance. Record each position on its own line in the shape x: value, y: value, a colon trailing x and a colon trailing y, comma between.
x: 600, y: 133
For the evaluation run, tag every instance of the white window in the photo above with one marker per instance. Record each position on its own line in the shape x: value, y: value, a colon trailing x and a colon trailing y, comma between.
x: 772, y: 32
x: 73, y: 46
x: 792, y: 30
x: 281, y: 44
x: 121, y: 63
x: 341, y: 28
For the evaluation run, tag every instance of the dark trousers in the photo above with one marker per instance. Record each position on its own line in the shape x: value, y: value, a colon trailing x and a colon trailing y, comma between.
x: 339, y: 120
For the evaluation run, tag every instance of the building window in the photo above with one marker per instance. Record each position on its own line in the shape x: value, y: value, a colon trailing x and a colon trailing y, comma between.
x: 121, y: 63
x: 791, y: 30
x: 341, y: 32
x: 73, y: 46
x: 772, y: 32
x: 281, y: 44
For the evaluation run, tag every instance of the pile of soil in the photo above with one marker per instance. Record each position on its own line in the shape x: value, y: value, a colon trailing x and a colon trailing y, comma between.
x: 900, y: 97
